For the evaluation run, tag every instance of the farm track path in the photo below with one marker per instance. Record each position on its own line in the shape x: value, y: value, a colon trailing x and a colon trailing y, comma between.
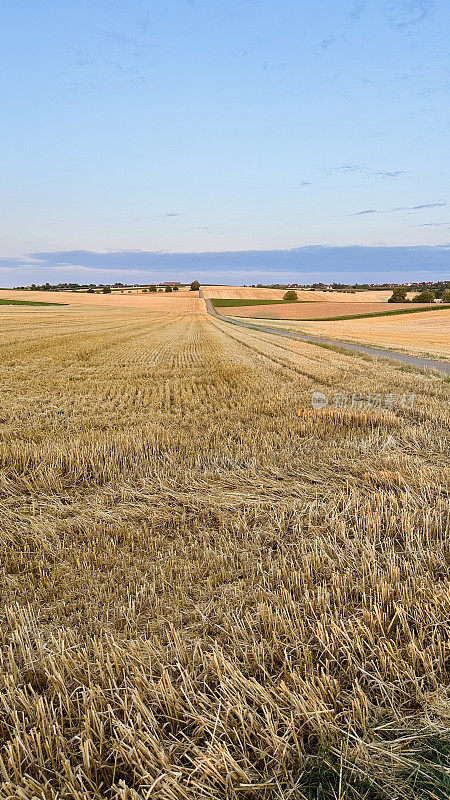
x: 414, y: 361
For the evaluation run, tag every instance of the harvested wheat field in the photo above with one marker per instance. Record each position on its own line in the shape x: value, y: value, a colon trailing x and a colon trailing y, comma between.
x: 209, y: 589
x: 255, y: 293
x: 313, y: 310
x: 181, y: 302
x: 425, y: 334
x: 242, y: 292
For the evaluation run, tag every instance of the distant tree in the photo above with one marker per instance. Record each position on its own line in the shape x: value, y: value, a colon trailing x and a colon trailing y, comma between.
x: 152, y: 288
x: 106, y: 290
x: 445, y: 296
x: 90, y: 290
x: 168, y: 289
x: 195, y: 286
x: 291, y: 295
x: 175, y: 288
x: 398, y: 295
x: 427, y: 296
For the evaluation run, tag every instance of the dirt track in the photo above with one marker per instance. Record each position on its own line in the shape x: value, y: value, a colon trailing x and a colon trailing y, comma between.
x: 415, y: 361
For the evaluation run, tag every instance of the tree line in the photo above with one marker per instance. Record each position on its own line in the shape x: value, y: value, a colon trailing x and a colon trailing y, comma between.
x: 399, y: 295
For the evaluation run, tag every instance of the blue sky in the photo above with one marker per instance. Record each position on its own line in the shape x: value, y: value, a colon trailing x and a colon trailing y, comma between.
x: 132, y: 131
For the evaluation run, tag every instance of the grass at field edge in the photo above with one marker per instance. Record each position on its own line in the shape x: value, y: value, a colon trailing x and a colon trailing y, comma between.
x: 28, y: 303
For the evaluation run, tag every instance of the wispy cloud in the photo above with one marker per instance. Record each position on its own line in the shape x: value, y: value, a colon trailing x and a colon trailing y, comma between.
x: 353, y: 169
x: 118, y: 38
x: 268, y: 66
x: 406, y: 209
x: 407, y: 13
x: 432, y: 225
x: 379, y: 173
x: 205, y: 228
x: 348, y: 168
x: 324, y: 44
x: 420, y: 207
x: 356, y: 12
x: 150, y: 217
x: 386, y: 174
x: 110, y: 52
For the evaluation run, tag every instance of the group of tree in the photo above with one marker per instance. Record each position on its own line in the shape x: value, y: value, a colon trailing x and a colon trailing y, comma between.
x: 445, y: 296
x: 90, y: 287
x: 438, y: 287
x: 399, y: 295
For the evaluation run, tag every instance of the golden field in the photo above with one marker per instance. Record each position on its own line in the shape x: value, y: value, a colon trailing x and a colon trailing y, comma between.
x: 181, y: 302
x: 254, y: 293
x: 314, y: 310
x: 242, y: 292
x: 423, y: 334
x: 209, y: 589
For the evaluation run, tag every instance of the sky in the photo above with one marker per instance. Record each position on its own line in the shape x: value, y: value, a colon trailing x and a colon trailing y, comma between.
x: 252, y: 140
